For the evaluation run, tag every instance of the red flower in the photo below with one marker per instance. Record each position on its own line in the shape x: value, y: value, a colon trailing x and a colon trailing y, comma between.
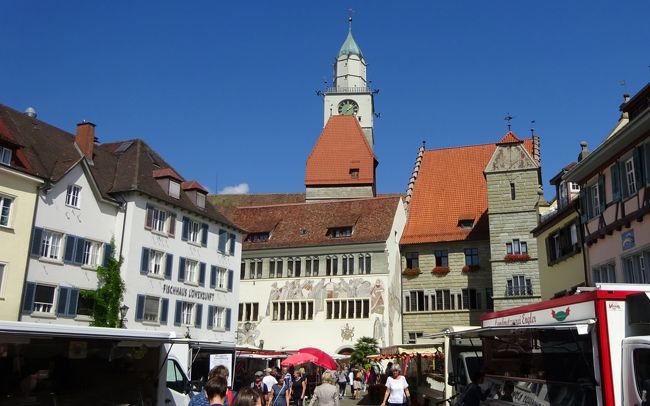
x: 516, y: 258
x: 440, y: 270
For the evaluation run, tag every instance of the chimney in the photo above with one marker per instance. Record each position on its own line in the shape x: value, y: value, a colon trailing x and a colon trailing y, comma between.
x: 85, y: 138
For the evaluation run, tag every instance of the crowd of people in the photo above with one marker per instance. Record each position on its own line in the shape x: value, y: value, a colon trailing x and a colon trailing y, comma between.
x: 273, y: 387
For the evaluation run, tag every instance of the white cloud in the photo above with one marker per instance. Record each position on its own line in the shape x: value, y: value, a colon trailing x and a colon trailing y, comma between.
x: 240, y: 189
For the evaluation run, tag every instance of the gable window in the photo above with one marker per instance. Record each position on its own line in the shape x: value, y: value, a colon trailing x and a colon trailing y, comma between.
x: 311, y: 266
x: 604, y: 273
x: 258, y: 237
x: 5, y: 156
x: 595, y: 200
x: 5, y: 210
x: 562, y: 243
x: 248, y: 311
x: 412, y: 260
x: 442, y: 257
x: 174, y: 189
x: 630, y: 177
x: 72, y: 196
x: 354, y: 173
x: 471, y: 256
x: 51, y: 244
x: 331, y: 266
x: 92, y: 253
x: 339, y: 232
x: 519, y: 285
x: 465, y: 223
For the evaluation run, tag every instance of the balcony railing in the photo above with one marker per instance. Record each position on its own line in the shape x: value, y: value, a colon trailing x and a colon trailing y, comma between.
x: 336, y: 90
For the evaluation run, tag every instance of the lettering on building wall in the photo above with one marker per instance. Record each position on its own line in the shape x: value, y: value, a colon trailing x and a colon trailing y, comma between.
x: 188, y: 292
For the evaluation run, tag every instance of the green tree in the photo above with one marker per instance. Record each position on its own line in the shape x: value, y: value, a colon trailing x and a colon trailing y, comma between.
x: 109, y: 294
x: 365, y: 346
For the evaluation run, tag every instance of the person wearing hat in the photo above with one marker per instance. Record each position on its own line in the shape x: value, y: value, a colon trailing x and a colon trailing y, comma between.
x: 260, y: 386
x: 269, y: 380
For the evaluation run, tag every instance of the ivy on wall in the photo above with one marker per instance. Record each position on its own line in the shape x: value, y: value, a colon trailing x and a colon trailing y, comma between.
x: 109, y: 294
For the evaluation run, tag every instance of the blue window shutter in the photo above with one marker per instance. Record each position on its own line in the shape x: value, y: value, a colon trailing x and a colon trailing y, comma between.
x: 186, y: 229
x: 210, y: 317
x: 28, y: 303
x: 36, y: 241
x: 144, y: 261
x: 202, y: 274
x: 178, y: 314
x: 227, y: 324
x: 213, y: 277
x: 169, y: 262
x: 233, y: 239
x: 62, y: 301
x: 616, y: 182
x: 73, y: 300
x: 222, y: 241
x: 108, y: 252
x: 639, y: 170
x: 79, y: 251
x: 204, y: 235
x: 164, y: 309
x: 231, y: 276
x: 625, y: 190
x: 181, y: 269
x: 199, y: 315
x: 68, y: 255
x: 139, y: 308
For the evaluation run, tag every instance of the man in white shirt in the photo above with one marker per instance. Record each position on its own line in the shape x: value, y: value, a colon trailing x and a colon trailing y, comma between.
x: 269, y: 380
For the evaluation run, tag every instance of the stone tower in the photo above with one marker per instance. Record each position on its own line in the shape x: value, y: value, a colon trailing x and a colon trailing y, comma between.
x: 513, y: 178
x: 350, y: 93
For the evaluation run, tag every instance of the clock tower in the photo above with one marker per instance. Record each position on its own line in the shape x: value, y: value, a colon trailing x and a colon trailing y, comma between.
x: 350, y: 93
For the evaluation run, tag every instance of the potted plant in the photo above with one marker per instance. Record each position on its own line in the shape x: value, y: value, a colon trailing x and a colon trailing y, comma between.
x: 440, y: 270
x: 471, y: 268
x: 411, y: 272
x: 516, y: 258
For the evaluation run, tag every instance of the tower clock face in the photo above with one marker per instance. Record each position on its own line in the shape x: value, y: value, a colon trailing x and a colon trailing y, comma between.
x: 348, y: 107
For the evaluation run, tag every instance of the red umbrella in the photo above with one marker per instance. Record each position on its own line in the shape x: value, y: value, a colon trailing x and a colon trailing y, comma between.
x: 323, y: 359
x: 297, y: 359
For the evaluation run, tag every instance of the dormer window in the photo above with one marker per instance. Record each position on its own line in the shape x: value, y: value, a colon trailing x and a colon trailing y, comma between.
x: 466, y: 223
x: 354, y: 173
x: 200, y: 200
x: 259, y: 237
x: 5, y: 156
x: 174, y: 189
x: 339, y: 232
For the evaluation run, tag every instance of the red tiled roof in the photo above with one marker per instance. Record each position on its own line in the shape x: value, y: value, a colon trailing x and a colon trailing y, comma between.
x: 450, y: 187
x: 167, y: 173
x: 509, y: 138
x: 341, y: 148
x: 306, y: 224
x: 193, y: 185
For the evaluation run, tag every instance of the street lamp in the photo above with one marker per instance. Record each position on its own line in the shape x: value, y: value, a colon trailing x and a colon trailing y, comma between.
x: 123, y: 310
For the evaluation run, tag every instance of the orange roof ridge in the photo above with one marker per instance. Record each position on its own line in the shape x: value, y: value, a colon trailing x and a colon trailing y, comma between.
x: 314, y: 203
x: 510, y: 138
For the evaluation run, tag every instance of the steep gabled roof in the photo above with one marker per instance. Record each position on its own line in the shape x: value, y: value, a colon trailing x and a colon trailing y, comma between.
x: 450, y: 187
x: 509, y: 138
x: 341, y: 148
x: 306, y: 224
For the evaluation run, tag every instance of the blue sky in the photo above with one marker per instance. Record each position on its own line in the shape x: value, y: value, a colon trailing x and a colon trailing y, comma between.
x: 225, y: 91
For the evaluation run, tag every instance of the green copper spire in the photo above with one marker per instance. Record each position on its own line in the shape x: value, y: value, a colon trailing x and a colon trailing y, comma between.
x: 350, y: 47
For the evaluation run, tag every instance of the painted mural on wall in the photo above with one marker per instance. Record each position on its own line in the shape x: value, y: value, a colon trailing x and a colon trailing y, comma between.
x: 347, y: 332
x: 247, y: 334
x: 321, y: 290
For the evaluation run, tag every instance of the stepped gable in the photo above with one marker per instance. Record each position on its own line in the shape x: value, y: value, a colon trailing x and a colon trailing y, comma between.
x: 341, y: 148
x: 451, y: 187
x: 307, y: 224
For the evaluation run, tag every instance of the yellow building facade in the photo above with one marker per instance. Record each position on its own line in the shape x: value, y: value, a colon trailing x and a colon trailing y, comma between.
x: 18, y: 193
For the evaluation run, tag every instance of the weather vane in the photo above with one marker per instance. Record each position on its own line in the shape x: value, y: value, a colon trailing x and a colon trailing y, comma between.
x: 508, y: 118
x: 350, y: 12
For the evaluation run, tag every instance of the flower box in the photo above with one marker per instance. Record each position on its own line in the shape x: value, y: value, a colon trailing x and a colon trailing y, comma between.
x: 471, y: 268
x: 441, y: 270
x: 516, y: 258
x: 411, y: 272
